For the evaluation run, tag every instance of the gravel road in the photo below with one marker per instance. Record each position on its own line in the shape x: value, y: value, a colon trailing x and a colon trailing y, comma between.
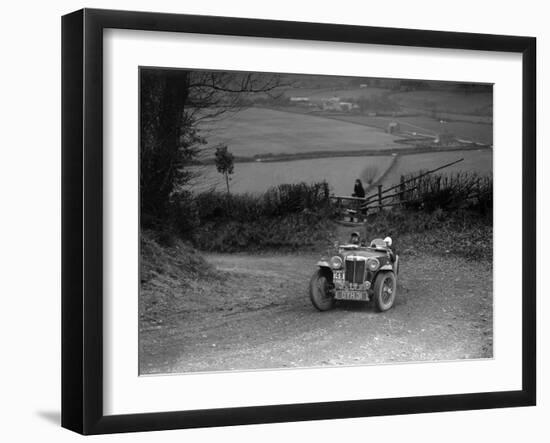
x: 258, y: 315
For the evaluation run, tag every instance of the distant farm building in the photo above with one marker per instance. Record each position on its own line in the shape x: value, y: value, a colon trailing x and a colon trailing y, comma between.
x: 331, y: 104
x: 363, y: 85
x: 334, y: 104
x: 347, y: 106
x: 299, y: 99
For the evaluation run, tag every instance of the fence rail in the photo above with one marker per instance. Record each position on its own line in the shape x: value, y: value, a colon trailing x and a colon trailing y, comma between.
x: 357, y: 208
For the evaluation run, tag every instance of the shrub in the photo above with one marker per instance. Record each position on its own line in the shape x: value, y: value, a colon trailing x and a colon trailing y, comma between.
x: 277, y: 201
x: 184, y: 213
x: 462, y: 232
x: 287, y: 216
x: 448, y: 192
x: 293, y: 198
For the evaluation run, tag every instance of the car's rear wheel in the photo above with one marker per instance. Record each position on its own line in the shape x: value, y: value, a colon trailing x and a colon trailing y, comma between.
x: 385, y: 286
x: 319, y: 291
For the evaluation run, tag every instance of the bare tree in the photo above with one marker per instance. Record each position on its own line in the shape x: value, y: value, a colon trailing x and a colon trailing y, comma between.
x: 172, y: 104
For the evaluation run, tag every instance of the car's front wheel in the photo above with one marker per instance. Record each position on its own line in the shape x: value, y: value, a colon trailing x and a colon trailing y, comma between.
x: 385, y: 286
x: 319, y: 291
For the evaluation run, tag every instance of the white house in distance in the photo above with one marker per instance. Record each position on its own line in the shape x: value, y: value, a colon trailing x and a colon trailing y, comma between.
x: 347, y: 106
x: 334, y: 104
x: 299, y: 99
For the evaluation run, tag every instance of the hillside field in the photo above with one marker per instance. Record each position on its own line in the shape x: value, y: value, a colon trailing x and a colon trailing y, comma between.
x: 479, y: 131
x: 467, y: 116
x: 257, y: 177
x: 317, y: 95
x: 339, y: 172
x: 447, y: 101
x: 480, y: 161
x: 255, y: 131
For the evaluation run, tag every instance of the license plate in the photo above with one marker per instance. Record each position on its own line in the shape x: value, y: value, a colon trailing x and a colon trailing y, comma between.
x: 352, y: 295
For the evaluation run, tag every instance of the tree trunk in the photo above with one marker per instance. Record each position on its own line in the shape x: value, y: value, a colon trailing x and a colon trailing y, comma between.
x: 160, y: 157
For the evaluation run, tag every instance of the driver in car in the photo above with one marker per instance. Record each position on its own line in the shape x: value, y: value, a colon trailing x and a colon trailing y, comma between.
x: 354, y: 238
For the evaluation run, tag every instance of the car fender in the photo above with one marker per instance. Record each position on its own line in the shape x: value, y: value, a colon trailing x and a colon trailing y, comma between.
x: 391, y: 266
x: 323, y: 264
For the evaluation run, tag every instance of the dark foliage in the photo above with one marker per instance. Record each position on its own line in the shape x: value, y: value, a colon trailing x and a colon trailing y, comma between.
x: 168, y: 139
x: 172, y: 104
x: 278, y: 201
x: 224, y: 163
x: 448, y: 192
x: 286, y: 217
x: 462, y: 232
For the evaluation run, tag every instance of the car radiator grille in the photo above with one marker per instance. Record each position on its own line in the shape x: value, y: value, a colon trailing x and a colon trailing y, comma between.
x: 355, y: 271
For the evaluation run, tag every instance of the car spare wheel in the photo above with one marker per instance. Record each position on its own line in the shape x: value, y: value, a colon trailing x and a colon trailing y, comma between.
x: 319, y: 291
x: 385, y: 287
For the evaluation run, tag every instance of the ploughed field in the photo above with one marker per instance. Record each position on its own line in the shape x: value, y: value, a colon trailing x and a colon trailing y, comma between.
x: 257, y: 315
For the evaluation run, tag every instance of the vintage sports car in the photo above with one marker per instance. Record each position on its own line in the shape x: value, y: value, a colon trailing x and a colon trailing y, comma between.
x: 357, y: 272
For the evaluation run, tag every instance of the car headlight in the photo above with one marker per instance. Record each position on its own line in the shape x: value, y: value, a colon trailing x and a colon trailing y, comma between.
x: 336, y: 262
x: 373, y: 264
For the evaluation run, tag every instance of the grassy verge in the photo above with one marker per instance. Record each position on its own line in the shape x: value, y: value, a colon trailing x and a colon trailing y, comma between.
x: 169, y: 273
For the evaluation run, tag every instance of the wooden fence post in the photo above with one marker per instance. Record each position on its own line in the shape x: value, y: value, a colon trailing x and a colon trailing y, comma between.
x: 380, y: 197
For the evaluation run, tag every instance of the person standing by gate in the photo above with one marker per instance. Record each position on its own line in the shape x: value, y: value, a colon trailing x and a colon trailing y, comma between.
x: 358, y: 190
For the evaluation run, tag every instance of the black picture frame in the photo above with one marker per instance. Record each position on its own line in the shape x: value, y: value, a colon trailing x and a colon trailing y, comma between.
x: 82, y: 218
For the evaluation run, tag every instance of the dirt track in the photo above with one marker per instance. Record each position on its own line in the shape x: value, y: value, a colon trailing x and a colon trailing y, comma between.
x: 258, y: 315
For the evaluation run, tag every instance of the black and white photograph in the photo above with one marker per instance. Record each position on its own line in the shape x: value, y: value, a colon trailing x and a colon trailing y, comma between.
x: 248, y: 222
x: 308, y: 221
